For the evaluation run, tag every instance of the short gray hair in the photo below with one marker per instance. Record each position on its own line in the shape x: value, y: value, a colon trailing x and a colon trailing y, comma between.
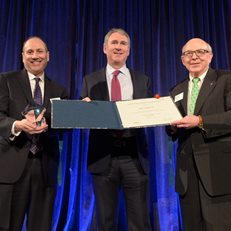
x: 114, y: 30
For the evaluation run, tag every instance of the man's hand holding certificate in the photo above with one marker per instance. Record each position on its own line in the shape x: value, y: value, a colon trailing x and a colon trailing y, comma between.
x: 147, y: 112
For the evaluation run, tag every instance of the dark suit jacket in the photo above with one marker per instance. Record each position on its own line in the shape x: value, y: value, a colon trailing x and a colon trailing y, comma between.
x: 15, y: 95
x: 95, y: 87
x: 211, y: 147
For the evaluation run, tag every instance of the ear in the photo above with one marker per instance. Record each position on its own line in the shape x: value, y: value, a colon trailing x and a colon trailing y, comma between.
x: 48, y: 56
x: 22, y: 57
x: 128, y: 51
x: 182, y: 60
x: 210, y: 57
x: 104, y: 49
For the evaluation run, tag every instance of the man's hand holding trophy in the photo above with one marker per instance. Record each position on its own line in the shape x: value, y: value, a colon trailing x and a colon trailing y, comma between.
x: 33, y: 122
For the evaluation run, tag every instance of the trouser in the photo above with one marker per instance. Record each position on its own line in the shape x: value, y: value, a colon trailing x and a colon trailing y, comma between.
x: 29, y: 196
x: 201, y: 212
x: 124, y: 174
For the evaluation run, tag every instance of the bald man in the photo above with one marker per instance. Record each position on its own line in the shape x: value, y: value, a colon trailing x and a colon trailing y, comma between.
x: 28, y: 176
x: 203, y: 169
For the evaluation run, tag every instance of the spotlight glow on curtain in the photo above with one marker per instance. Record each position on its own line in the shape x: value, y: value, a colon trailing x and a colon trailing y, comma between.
x: 74, y: 31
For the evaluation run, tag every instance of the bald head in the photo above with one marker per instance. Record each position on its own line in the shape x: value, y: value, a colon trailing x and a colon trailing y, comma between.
x: 35, y: 55
x: 196, y: 43
x: 196, y: 56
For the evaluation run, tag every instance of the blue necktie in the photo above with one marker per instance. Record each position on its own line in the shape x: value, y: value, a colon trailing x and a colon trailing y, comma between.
x: 37, y: 92
x: 38, y: 100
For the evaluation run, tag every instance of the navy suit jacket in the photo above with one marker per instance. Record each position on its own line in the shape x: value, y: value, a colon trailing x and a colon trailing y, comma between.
x: 210, y: 147
x: 15, y: 95
x: 95, y: 87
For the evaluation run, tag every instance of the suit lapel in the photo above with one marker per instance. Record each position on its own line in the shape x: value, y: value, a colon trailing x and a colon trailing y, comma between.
x: 102, y: 84
x: 47, y: 88
x: 135, y: 84
x: 26, y: 89
x: 133, y: 77
x: 206, y: 88
x: 185, y: 95
x: 25, y: 86
x: 181, y: 103
x: 103, y: 87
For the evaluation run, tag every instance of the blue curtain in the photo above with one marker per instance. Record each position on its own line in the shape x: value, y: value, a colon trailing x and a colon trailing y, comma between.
x: 74, y: 31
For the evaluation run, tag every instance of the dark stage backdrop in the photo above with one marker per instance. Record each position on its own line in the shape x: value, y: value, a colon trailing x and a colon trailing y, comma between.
x: 74, y: 31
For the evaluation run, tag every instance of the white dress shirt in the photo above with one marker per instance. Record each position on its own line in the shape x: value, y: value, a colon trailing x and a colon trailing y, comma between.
x: 125, y: 80
x: 32, y: 86
x: 190, y: 84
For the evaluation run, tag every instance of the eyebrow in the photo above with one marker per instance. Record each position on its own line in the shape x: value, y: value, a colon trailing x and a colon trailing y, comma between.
x: 117, y: 41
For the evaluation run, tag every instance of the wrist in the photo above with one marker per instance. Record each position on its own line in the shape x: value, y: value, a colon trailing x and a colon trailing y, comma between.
x: 16, y: 127
x: 200, y: 122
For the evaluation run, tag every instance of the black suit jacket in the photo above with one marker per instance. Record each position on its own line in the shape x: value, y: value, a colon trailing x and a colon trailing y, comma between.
x: 95, y: 87
x: 15, y: 95
x: 210, y: 147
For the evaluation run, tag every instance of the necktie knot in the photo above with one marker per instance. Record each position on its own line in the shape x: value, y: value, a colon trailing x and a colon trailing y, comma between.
x: 116, y: 73
x: 37, y: 79
x: 195, y: 80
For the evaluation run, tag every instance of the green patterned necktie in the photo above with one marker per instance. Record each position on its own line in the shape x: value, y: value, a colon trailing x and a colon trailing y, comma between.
x: 194, y: 94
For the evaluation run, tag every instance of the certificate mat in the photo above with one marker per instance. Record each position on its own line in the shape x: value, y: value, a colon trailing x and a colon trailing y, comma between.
x: 136, y: 113
x: 148, y: 112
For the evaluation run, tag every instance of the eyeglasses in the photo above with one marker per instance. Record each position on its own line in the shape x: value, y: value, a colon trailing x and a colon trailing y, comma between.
x: 199, y: 53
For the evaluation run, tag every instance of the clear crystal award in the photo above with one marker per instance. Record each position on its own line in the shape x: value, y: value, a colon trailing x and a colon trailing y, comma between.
x: 33, y: 112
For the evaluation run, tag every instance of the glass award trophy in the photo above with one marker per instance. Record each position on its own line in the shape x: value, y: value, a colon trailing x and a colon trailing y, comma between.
x: 32, y: 112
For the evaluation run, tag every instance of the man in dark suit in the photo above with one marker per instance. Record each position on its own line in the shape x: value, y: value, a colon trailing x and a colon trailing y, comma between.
x: 204, y: 136
x: 27, y: 180
x: 118, y: 159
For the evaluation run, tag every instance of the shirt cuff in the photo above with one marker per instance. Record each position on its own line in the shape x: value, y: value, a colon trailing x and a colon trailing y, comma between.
x: 13, y: 133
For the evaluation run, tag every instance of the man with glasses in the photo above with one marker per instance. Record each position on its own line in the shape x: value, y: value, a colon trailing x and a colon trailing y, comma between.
x: 203, y: 169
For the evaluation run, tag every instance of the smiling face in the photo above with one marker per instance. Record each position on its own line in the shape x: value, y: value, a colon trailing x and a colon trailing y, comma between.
x: 196, y: 56
x: 35, y: 56
x: 117, y: 49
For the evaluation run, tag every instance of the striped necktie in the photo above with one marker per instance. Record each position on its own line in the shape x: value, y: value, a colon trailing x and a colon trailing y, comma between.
x: 39, y: 101
x: 37, y: 92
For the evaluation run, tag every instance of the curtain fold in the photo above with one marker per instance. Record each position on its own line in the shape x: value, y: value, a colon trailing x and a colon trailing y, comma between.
x: 74, y: 31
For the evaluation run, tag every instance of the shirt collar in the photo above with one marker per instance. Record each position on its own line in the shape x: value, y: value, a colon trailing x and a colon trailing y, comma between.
x: 32, y: 76
x: 201, y: 77
x: 123, y: 70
